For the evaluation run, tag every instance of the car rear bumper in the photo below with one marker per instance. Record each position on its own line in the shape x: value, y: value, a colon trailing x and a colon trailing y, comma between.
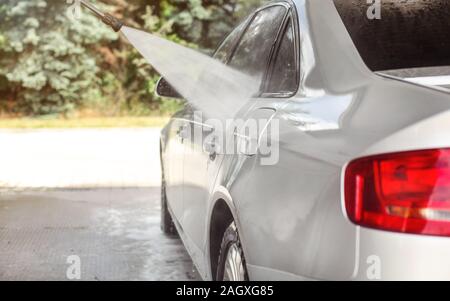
x: 382, y: 255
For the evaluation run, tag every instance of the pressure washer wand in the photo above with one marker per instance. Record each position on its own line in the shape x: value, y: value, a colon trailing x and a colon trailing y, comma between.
x: 109, y: 20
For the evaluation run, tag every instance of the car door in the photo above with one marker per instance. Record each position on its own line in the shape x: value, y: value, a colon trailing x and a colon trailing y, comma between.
x: 202, y: 161
x: 271, y: 96
x: 174, y: 157
x: 261, y: 207
x: 248, y: 49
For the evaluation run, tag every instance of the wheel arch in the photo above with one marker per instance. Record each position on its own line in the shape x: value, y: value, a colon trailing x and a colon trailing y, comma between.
x: 223, y: 212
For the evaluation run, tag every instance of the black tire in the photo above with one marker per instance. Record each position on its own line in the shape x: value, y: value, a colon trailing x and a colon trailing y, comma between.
x: 167, y: 224
x: 231, y: 240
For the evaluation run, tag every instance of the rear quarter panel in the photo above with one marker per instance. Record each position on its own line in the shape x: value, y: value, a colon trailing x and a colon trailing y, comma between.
x: 291, y: 213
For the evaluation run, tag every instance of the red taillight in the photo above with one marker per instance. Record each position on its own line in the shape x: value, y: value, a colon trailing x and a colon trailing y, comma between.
x: 405, y: 192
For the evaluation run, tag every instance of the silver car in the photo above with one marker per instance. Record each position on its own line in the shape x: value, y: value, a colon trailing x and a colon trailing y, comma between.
x: 360, y: 186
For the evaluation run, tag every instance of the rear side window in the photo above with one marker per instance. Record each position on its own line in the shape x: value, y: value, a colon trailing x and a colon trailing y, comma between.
x: 409, y: 34
x: 252, y: 53
x: 224, y: 51
x: 284, y: 74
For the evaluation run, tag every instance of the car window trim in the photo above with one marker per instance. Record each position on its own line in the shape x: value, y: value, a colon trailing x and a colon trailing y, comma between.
x: 267, y: 64
x: 291, y: 16
x: 247, y: 22
x: 238, y: 41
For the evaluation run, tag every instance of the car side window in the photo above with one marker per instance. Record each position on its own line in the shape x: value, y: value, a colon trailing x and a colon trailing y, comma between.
x: 252, y: 54
x: 224, y: 51
x: 283, y: 78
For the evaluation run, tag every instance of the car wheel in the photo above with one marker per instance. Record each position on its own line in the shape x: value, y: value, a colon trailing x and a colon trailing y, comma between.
x: 231, y: 266
x: 167, y: 224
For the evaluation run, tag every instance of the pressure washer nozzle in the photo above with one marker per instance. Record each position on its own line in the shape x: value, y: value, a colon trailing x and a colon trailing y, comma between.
x: 108, y: 19
x: 112, y: 21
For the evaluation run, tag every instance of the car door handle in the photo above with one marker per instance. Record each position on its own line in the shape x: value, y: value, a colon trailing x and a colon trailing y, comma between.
x: 208, y: 129
x: 210, y: 148
x: 182, y: 132
x: 246, y: 145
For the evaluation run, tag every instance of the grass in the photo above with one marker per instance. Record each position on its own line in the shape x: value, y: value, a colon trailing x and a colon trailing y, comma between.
x: 83, y: 122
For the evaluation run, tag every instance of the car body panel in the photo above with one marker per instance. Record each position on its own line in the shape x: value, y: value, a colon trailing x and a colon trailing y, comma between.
x: 174, y: 150
x: 201, y: 171
x: 290, y: 215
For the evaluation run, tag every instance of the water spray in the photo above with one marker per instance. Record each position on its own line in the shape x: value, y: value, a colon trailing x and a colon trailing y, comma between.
x: 216, y: 89
x: 108, y: 19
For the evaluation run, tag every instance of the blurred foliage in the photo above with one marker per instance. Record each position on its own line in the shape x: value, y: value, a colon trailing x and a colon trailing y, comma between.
x: 53, y: 64
x: 47, y: 64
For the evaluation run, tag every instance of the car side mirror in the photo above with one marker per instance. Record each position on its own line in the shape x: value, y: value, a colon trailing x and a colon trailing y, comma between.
x: 164, y: 89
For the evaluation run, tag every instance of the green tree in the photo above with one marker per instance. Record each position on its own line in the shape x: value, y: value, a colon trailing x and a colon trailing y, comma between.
x: 48, y: 63
x: 206, y: 22
x: 52, y: 65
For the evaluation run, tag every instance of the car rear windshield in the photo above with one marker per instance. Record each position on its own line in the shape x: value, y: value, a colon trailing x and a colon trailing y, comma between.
x: 408, y: 34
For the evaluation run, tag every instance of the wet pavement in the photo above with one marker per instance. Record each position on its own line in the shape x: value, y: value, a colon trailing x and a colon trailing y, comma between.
x: 114, y: 232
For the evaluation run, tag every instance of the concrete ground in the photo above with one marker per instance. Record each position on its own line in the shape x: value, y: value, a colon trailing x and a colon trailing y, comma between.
x: 89, y: 193
x: 115, y: 233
